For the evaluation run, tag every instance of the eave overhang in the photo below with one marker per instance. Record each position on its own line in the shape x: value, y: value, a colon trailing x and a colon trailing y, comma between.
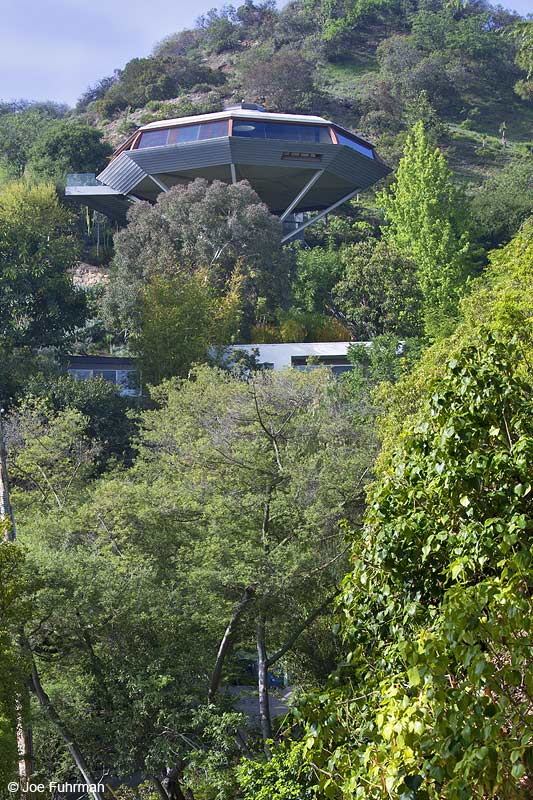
x: 276, y: 169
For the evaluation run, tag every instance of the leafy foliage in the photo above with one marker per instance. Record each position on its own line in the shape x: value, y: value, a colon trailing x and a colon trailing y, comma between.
x: 426, y: 221
x: 38, y: 303
x: 63, y: 147
x: 20, y: 125
x: 502, y: 203
x: 279, y: 778
x: 109, y: 426
x: 282, y: 80
x: 379, y: 291
x: 440, y: 654
x: 181, y: 319
x: 200, y: 228
x: 158, y: 78
x: 123, y: 568
x: 500, y: 300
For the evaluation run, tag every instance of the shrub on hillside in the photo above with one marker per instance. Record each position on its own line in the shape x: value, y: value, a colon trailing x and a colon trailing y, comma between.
x: 283, y: 81
x: 160, y: 78
x: 65, y: 146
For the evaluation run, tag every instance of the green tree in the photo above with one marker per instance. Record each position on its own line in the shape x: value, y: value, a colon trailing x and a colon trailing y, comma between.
x: 154, y: 78
x: 38, y: 303
x: 426, y: 221
x: 20, y: 125
x: 64, y: 146
x: 109, y: 425
x: 437, y: 613
x: 503, y: 202
x: 282, y: 80
x: 181, y: 318
x: 379, y: 291
x: 141, y: 578
x: 220, y: 29
x: 208, y: 228
x: 500, y: 300
x: 317, y: 269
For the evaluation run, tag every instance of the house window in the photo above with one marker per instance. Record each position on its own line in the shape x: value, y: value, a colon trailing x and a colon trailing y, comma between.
x: 126, y: 380
x: 361, y: 148
x: 153, y: 138
x: 286, y: 131
x: 183, y: 134
x: 109, y: 375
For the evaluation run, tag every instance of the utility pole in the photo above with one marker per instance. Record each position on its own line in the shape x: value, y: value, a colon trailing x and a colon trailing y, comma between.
x: 9, y: 534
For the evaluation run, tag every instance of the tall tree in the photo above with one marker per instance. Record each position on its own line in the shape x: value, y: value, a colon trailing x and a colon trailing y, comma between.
x: 426, y: 221
x: 379, y: 292
x: 38, y: 302
x: 223, y: 535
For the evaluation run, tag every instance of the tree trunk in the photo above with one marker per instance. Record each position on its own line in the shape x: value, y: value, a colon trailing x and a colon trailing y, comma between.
x: 227, y: 641
x: 160, y: 789
x: 6, y: 512
x: 173, y: 786
x: 308, y: 621
x: 9, y: 532
x: 24, y: 741
x: 262, y: 685
x: 63, y: 730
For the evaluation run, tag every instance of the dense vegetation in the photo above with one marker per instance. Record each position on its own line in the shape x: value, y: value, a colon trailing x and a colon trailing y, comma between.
x: 367, y: 538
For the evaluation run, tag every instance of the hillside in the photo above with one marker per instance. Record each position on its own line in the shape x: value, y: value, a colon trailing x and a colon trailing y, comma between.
x: 375, y: 70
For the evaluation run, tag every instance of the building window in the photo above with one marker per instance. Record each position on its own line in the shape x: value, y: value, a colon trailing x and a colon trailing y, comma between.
x: 337, y: 364
x: 80, y: 374
x: 286, y: 131
x: 153, y: 138
x: 183, y: 134
x: 361, y: 148
x: 126, y: 380
x: 109, y: 375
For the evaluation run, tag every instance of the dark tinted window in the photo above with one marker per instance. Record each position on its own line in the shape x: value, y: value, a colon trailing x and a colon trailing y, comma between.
x: 153, y: 138
x: 288, y: 131
x: 361, y: 148
x: 107, y: 374
x: 212, y: 130
x: 184, y: 133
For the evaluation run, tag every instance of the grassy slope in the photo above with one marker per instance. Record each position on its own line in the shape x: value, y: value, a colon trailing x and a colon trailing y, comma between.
x: 470, y: 161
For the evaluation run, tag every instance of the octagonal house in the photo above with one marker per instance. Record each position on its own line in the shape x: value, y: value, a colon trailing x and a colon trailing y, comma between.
x: 295, y: 163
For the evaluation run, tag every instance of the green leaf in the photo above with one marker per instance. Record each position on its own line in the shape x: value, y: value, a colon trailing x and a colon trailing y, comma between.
x: 413, y: 676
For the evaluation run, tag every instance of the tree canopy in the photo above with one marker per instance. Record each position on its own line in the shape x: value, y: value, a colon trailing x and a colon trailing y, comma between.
x: 38, y: 303
x: 210, y: 227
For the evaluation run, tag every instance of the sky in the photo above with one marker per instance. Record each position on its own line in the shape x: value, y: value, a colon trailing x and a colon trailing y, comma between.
x: 55, y: 49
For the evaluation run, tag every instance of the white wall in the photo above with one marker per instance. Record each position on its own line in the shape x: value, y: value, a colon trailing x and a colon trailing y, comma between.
x: 280, y: 355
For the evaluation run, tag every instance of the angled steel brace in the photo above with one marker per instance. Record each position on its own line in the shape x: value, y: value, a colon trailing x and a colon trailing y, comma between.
x: 319, y: 216
x: 159, y: 183
x: 302, y: 194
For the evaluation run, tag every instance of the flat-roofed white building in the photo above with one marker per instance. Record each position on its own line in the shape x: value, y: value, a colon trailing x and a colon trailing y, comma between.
x: 298, y: 354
